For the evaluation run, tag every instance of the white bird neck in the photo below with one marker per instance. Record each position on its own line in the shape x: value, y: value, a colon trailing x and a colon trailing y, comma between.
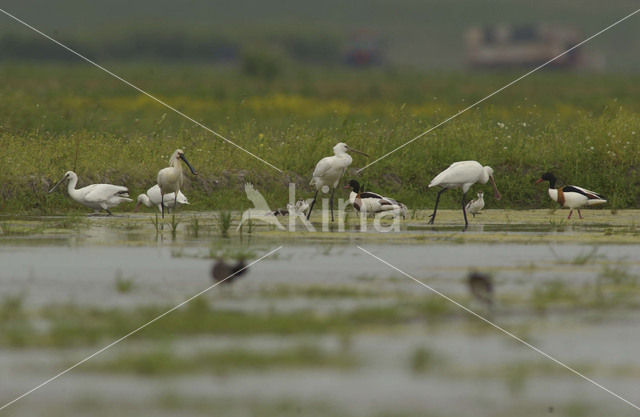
x: 344, y: 158
x: 144, y: 199
x: 71, y: 186
x: 175, y: 162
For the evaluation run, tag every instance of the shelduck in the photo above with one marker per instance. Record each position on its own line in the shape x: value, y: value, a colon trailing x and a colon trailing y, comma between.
x: 571, y: 196
x: 372, y: 203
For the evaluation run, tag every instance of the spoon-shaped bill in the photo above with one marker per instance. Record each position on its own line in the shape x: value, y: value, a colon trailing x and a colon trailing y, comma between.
x: 193, y: 171
x: 495, y: 188
x: 58, y: 183
x: 357, y: 151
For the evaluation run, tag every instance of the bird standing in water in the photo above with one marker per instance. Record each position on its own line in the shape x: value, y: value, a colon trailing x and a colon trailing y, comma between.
x: 170, y: 179
x: 328, y: 172
x: 463, y: 175
x: 474, y: 206
x: 571, y: 196
x: 481, y: 287
x: 226, y: 273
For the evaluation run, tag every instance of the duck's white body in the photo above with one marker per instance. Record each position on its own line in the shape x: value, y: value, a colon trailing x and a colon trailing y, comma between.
x: 372, y: 203
x: 153, y: 198
x: 574, y: 197
x: 474, y: 206
x: 95, y: 196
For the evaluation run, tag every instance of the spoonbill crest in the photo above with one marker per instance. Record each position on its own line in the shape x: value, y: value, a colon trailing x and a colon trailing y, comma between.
x: 372, y: 203
x: 462, y: 174
x: 95, y: 196
x: 153, y: 198
x: 571, y: 196
x: 328, y: 172
x: 170, y: 179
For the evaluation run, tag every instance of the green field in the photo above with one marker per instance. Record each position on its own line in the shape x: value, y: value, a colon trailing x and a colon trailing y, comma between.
x: 55, y: 118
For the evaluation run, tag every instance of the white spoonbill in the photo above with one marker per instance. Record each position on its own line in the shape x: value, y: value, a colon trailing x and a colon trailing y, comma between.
x: 95, y: 196
x: 170, y: 178
x: 462, y: 174
x: 328, y: 172
x: 372, y: 203
x: 571, y: 196
x: 153, y: 198
x: 474, y: 206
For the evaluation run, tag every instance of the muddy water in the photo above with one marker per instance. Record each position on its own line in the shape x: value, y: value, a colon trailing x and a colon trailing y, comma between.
x: 473, y: 368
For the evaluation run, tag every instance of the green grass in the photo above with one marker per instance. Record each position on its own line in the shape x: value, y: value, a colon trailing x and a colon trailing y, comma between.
x: 583, y: 127
x: 71, y: 325
x: 165, y: 362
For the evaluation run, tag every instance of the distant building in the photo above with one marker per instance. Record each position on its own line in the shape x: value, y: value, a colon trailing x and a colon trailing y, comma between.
x: 522, y: 46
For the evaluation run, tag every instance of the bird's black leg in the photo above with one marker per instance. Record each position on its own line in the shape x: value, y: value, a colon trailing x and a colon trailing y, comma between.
x: 464, y: 212
x: 331, y: 202
x: 433, y: 216
x: 109, y: 211
x: 312, y: 204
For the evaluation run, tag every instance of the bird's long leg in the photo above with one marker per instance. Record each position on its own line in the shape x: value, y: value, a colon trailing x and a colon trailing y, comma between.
x: 464, y: 212
x: 315, y: 196
x: 331, y: 202
x: 580, y: 214
x: 570, y: 213
x: 435, y: 209
x: 162, y: 202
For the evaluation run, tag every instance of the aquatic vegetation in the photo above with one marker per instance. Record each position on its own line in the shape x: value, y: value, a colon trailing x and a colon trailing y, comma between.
x: 421, y: 360
x: 194, y: 226
x: 166, y: 362
x: 224, y: 223
x: 123, y: 284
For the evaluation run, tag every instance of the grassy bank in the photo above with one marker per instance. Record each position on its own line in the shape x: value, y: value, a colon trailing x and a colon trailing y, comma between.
x: 55, y: 118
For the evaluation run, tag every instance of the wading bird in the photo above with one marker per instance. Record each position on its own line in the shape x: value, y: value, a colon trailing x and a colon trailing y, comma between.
x: 463, y: 175
x: 474, y: 206
x: 153, y: 198
x: 571, y: 196
x: 329, y: 170
x: 481, y: 287
x: 170, y: 178
x: 298, y: 209
x: 372, y: 203
x: 95, y: 196
x: 226, y: 273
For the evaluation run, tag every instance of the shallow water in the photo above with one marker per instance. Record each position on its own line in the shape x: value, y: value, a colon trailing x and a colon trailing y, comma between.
x: 472, y: 367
